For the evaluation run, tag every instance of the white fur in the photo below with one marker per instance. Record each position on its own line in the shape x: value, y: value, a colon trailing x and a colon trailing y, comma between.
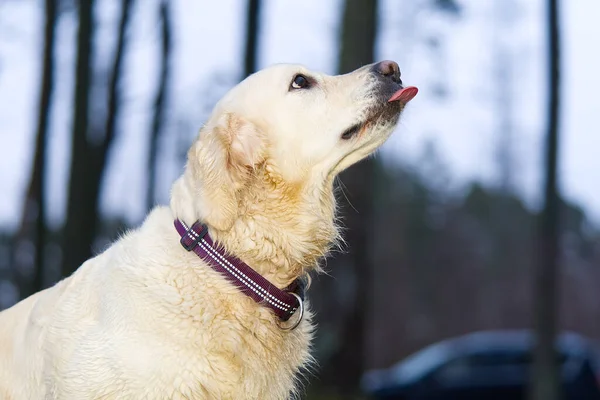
x: 148, y: 320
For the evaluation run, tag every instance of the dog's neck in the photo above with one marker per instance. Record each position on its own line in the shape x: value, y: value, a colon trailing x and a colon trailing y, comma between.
x: 282, y: 230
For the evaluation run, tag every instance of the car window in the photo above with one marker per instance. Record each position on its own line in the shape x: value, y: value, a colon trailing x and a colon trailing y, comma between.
x: 485, y: 366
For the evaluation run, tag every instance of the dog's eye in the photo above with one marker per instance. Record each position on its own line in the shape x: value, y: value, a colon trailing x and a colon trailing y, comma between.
x: 350, y: 132
x: 300, y: 82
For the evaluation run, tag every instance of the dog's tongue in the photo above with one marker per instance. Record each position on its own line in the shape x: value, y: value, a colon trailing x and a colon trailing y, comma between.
x: 404, y: 95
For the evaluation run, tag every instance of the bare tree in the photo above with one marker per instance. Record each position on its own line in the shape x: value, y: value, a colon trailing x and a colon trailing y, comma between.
x: 88, y: 160
x: 359, y: 28
x: 159, y: 101
x: 545, y: 384
x: 77, y: 222
x: 503, y: 76
x: 34, y: 212
x: 252, y: 31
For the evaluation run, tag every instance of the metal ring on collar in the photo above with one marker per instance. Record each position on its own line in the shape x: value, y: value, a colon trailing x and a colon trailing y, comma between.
x: 296, y: 317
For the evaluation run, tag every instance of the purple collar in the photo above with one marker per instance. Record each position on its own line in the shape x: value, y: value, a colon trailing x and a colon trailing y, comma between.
x: 284, y: 303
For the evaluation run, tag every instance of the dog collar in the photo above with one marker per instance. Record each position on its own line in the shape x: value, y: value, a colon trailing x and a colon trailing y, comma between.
x: 284, y: 303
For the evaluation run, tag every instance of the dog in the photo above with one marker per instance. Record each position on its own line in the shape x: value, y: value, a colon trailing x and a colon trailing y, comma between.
x: 204, y: 300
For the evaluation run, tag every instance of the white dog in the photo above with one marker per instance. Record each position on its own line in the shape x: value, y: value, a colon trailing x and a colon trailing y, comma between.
x: 150, y: 319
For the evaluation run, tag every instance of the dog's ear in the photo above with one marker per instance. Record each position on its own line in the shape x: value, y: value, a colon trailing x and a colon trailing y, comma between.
x: 220, y: 163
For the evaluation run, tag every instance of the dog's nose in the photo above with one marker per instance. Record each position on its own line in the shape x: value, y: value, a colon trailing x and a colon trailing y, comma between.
x: 388, y: 69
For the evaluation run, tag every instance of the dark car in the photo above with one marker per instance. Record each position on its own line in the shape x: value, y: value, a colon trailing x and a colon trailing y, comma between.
x: 491, y: 365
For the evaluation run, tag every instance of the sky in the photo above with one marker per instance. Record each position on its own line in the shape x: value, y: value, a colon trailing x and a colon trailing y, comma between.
x: 464, y: 125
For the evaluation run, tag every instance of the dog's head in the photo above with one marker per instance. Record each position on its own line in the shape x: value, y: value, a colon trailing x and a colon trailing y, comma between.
x: 274, y: 143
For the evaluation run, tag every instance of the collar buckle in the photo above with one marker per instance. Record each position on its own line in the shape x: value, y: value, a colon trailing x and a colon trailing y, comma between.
x: 192, y: 237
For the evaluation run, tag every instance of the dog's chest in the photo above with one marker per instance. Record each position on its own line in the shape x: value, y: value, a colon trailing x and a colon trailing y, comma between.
x: 225, y: 366
x: 212, y: 349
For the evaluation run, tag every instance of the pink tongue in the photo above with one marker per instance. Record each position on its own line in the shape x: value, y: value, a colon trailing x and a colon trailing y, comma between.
x: 404, y: 95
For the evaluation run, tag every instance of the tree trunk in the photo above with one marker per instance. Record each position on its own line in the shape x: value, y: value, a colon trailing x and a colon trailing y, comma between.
x: 252, y: 29
x: 545, y: 383
x: 503, y: 75
x: 159, y: 102
x: 77, y: 231
x: 359, y: 28
x: 88, y: 160
x: 35, y: 197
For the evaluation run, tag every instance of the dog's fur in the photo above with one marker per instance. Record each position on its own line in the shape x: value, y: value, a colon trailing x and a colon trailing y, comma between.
x: 148, y: 320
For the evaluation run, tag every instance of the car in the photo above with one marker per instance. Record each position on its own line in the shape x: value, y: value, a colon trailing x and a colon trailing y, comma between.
x: 489, y: 365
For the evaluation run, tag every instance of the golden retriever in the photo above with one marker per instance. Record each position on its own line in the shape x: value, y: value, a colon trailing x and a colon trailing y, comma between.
x: 147, y: 319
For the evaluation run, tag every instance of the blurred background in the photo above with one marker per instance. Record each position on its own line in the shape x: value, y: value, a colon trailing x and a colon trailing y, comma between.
x: 482, y: 212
